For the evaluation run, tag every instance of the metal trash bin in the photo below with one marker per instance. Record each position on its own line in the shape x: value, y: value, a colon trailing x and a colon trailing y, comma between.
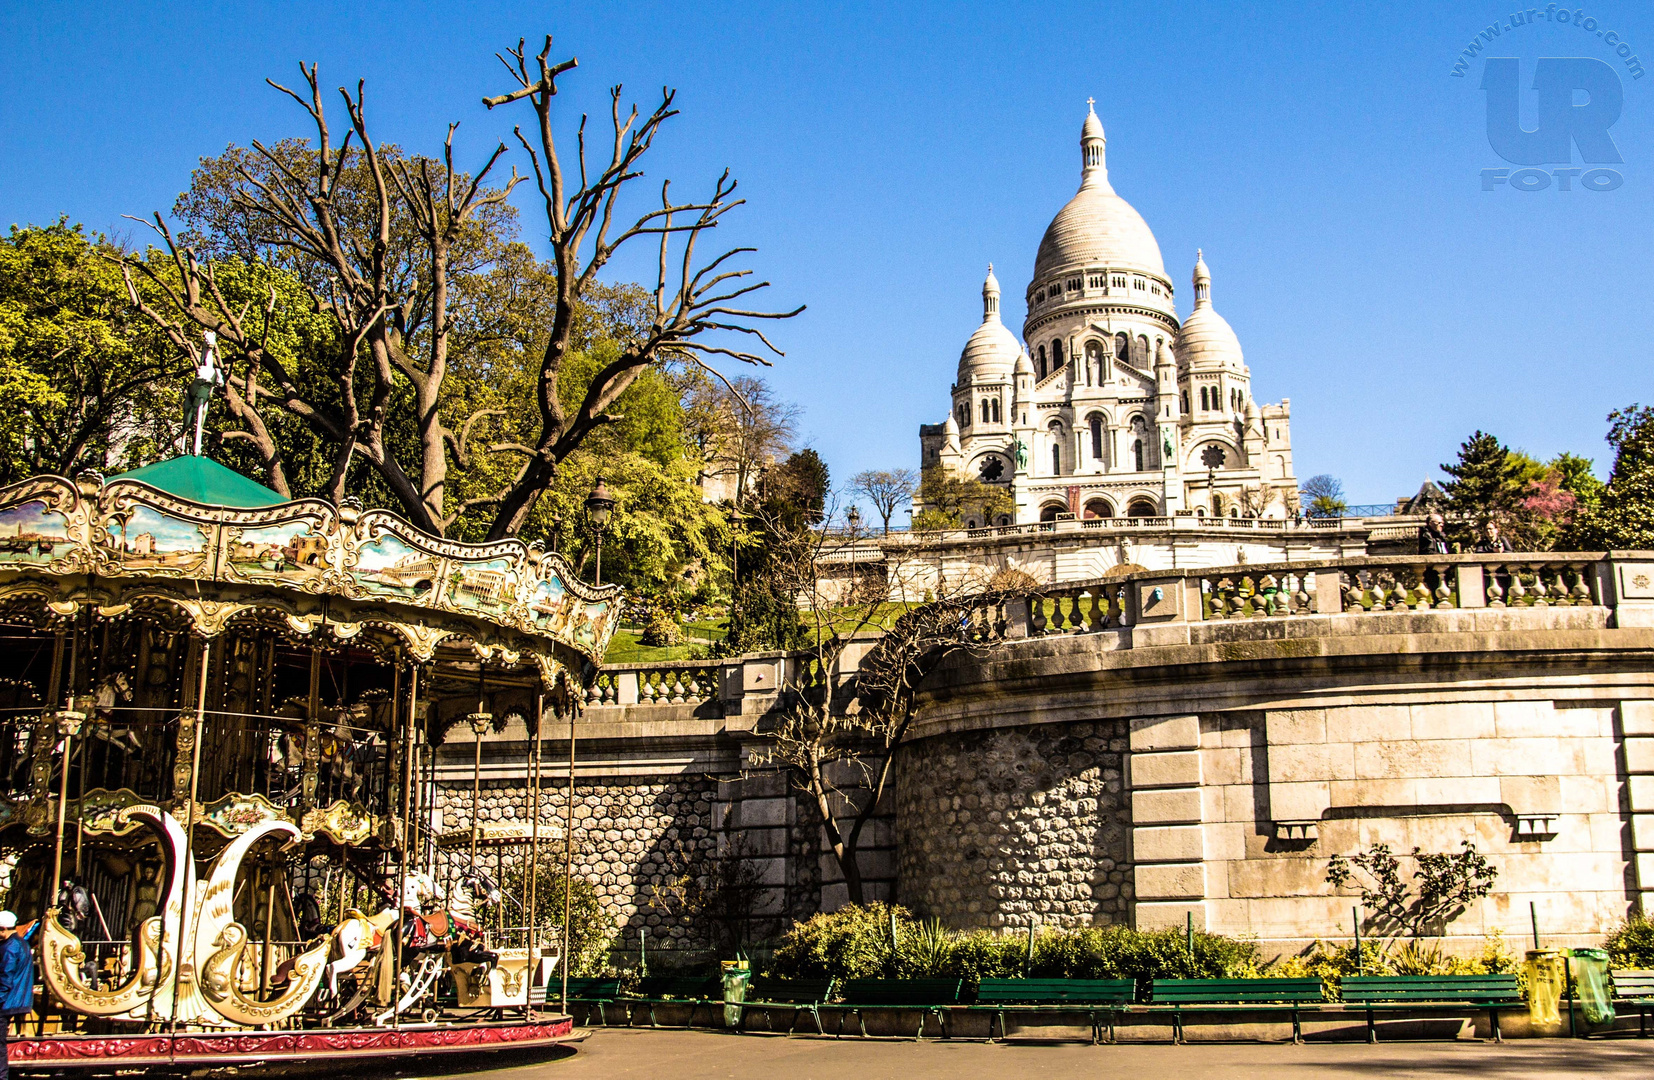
x: 737, y: 974
x: 1596, y: 997
x: 1547, y: 981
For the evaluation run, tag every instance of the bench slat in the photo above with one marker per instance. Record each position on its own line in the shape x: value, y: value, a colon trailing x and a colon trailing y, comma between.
x: 789, y: 991
x: 1056, y: 991
x: 1433, y: 989
x: 913, y: 993
x: 1234, y: 991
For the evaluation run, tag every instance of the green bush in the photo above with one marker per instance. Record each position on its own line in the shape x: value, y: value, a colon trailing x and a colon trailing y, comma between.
x: 1331, y: 962
x: 1631, y: 944
x: 855, y: 943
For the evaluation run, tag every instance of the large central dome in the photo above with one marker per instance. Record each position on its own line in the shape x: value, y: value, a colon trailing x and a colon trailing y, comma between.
x: 1097, y: 227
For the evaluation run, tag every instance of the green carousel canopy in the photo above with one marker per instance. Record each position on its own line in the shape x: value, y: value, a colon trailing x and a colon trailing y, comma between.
x: 203, y: 480
x: 192, y: 535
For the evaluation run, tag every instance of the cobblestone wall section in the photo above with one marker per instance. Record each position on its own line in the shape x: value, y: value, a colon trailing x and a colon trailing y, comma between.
x: 1026, y: 824
x: 633, y: 841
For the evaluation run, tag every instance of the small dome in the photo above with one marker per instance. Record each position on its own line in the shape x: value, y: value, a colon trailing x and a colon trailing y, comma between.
x: 950, y: 428
x: 1024, y: 365
x: 992, y: 350
x: 1206, y: 340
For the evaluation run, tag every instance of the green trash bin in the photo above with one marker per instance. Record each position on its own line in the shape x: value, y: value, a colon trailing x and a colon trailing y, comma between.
x: 1596, y: 997
x: 1547, y: 980
x: 737, y: 974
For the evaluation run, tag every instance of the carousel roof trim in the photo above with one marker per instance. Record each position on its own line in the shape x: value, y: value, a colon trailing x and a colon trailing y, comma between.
x: 203, y: 480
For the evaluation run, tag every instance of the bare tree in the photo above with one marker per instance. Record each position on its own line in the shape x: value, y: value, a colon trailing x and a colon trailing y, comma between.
x: 347, y: 232
x: 886, y: 489
x: 739, y: 427
x: 699, y: 306
x: 393, y: 309
x: 838, y: 736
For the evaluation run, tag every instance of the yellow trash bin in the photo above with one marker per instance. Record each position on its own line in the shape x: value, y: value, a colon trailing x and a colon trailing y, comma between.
x: 1547, y: 980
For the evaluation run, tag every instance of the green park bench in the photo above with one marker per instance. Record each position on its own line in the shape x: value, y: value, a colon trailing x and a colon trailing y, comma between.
x: 799, y: 995
x: 1431, y: 993
x: 691, y: 990
x: 1635, y: 989
x: 588, y: 991
x: 1094, y: 997
x: 923, y: 996
x: 1233, y: 995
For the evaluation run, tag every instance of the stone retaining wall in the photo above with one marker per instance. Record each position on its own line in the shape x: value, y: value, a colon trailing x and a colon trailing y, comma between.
x: 1004, y: 828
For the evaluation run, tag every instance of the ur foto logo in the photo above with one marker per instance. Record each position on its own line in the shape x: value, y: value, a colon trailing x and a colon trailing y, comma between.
x: 1579, y: 98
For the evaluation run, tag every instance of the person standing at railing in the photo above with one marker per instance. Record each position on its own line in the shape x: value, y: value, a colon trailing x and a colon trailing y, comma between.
x: 1492, y: 540
x: 1433, y: 535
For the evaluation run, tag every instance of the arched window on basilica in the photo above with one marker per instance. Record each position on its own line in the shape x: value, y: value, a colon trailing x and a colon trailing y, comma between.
x: 1137, y: 454
x: 1056, y: 460
x: 1122, y: 347
x: 985, y: 412
x: 1096, y: 436
x: 1185, y: 403
x: 995, y: 402
x: 1056, y: 354
x: 1042, y: 361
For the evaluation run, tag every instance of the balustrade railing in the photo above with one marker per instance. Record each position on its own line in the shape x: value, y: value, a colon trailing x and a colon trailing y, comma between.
x: 654, y: 684
x: 1358, y: 586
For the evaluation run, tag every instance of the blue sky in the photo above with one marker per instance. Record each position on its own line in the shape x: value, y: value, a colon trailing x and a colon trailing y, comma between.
x: 1324, y: 157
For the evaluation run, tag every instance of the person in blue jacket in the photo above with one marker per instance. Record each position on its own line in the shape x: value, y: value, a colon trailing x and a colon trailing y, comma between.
x: 16, y: 978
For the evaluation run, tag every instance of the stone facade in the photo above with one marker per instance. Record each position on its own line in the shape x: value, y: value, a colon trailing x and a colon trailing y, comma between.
x: 1024, y: 826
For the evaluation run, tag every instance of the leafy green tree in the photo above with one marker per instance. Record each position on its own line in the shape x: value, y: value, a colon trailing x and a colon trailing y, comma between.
x: 1623, y: 518
x: 777, y: 555
x: 1488, y: 481
x: 949, y: 499
x: 87, y: 380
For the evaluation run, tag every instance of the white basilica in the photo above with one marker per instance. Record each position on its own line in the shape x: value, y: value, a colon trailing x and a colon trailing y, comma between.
x: 1112, y: 407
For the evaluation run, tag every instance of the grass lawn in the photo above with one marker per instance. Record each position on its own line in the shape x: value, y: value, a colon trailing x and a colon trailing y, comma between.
x: 626, y: 649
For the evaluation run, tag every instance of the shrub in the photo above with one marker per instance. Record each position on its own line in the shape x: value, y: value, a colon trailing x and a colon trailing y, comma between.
x: 1631, y: 944
x: 661, y: 629
x: 591, y: 929
x: 855, y: 943
x: 850, y: 943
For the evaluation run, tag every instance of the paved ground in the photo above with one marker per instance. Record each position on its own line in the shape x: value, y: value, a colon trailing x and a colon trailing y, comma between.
x: 640, y: 1054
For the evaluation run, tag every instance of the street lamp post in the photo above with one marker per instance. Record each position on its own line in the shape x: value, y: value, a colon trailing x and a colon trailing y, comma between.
x: 598, y: 508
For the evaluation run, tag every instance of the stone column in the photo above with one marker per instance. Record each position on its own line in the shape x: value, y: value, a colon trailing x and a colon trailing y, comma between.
x: 1168, y: 848
x: 1637, y: 746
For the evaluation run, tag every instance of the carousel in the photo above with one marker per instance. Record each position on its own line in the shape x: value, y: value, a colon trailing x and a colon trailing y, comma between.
x: 218, y: 716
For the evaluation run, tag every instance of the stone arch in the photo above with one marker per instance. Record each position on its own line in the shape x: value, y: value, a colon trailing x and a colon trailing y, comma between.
x: 1122, y: 346
x: 1098, y: 508
x: 1142, y: 506
x: 1095, y: 422
x: 1049, y: 510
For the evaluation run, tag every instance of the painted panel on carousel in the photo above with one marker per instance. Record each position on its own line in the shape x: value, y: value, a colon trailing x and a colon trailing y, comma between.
x: 32, y: 535
x: 487, y: 588
x: 153, y: 541
x: 591, y: 627
x: 390, y: 566
x: 292, y: 552
x: 550, y: 605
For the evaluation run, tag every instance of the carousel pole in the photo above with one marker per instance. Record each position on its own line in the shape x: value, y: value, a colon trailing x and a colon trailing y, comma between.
x: 189, y: 834
x: 533, y: 874
x: 402, y: 869
x: 568, y: 855
x: 68, y: 728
